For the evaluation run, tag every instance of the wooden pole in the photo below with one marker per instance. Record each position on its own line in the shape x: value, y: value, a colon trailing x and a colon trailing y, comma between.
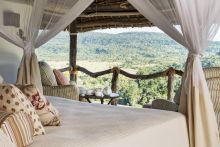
x: 114, y: 82
x: 114, y: 86
x: 170, y: 83
x: 73, y: 50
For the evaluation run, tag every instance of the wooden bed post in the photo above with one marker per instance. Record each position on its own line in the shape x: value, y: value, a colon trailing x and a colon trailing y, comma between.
x: 73, y: 51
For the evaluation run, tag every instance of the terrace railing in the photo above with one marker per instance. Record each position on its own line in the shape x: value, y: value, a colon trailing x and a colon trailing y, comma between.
x: 115, y: 71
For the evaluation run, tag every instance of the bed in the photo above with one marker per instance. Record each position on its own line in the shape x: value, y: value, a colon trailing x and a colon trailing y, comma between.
x: 96, y: 125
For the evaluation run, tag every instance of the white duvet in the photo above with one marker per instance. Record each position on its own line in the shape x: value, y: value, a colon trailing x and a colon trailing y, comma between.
x: 96, y: 125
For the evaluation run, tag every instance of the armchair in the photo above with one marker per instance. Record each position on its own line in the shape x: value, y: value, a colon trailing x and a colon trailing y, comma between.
x: 50, y: 86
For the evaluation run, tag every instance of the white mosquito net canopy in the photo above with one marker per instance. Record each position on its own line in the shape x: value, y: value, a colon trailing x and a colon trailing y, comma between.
x: 31, y: 23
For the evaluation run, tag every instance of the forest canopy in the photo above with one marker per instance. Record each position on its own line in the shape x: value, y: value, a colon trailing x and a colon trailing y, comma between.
x: 137, y: 52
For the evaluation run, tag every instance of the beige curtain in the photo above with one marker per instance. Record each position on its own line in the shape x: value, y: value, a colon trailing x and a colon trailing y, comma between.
x: 29, y: 71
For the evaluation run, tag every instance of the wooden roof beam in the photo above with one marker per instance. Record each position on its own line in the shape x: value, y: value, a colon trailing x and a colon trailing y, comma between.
x: 115, y: 22
x: 110, y: 14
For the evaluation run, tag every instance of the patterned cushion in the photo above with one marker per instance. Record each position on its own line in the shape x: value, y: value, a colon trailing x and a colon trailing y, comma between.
x: 47, y: 75
x: 61, y: 79
x: 48, y: 114
x: 18, y: 127
x: 5, y: 140
x: 13, y: 100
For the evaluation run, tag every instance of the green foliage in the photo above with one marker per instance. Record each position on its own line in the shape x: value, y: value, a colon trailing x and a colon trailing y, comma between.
x: 144, y: 53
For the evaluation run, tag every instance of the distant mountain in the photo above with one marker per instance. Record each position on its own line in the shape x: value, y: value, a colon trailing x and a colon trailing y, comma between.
x: 125, y: 47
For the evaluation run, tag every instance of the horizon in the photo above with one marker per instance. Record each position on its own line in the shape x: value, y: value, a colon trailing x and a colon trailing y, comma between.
x: 143, y: 29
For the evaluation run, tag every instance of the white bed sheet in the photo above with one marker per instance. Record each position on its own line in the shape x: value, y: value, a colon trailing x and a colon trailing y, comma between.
x: 96, y: 125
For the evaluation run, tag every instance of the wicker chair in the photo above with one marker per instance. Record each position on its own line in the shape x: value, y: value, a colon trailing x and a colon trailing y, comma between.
x: 213, y: 81
x: 50, y: 87
x: 212, y: 76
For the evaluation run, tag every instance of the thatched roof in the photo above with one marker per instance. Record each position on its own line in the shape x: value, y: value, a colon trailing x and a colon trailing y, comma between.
x: 102, y: 14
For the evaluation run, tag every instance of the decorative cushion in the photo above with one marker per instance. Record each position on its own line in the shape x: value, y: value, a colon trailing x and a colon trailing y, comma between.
x: 61, y: 79
x: 5, y: 140
x: 48, y: 114
x: 47, y: 75
x: 13, y: 100
x: 18, y: 127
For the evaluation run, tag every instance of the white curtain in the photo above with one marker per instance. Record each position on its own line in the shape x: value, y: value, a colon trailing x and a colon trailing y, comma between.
x: 191, y: 23
x: 31, y: 23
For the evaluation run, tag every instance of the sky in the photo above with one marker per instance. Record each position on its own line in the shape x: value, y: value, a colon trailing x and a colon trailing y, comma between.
x: 144, y: 29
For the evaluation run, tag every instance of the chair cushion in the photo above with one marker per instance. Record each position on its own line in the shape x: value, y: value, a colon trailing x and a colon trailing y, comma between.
x: 164, y: 105
x: 13, y: 125
x: 61, y: 79
x: 49, y: 115
x: 13, y: 100
x: 47, y: 75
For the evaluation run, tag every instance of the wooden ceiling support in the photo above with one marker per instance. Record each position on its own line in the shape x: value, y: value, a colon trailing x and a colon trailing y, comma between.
x: 97, y: 14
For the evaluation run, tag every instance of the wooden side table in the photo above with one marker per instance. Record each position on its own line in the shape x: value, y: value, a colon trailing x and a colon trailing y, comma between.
x: 112, y: 98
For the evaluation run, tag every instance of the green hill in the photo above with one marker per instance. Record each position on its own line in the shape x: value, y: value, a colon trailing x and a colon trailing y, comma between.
x: 125, y: 47
x: 142, y: 52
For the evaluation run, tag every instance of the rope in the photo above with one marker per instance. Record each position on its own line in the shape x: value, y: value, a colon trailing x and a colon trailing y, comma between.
x: 171, y: 71
x: 115, y: 69
x: 73, y: 70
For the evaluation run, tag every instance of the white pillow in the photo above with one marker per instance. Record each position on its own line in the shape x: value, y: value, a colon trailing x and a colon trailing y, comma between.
x: 1, y: 79
x: 5, y: 141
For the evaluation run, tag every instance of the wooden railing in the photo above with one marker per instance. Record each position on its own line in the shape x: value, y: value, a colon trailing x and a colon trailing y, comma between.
x: 170, y: 72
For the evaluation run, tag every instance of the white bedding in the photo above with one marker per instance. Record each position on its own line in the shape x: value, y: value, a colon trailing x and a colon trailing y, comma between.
x: 96, y: 125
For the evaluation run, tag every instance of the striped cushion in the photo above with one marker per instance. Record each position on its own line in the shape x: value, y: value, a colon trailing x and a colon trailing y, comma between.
x: 214, y: 89
x: 18, y: 127
x: 5, y: 140
x: 13, y: 100
x: 47, y: 75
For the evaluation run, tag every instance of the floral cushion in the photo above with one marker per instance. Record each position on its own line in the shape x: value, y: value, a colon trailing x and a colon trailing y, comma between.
x: 13, y: 125
x: 13, y: 100
x: 5, y: 140
x: 49, y: 115
x: 61, y: 79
